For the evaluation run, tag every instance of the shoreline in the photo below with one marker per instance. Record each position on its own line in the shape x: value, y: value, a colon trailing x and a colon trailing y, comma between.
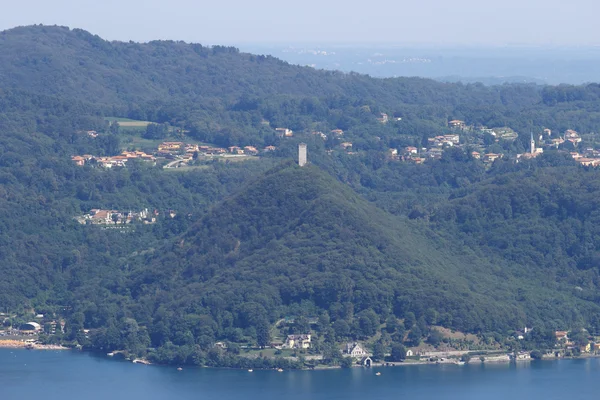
x: 19, y: 344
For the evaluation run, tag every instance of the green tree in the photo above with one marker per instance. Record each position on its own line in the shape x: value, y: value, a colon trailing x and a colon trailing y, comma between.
x: 435, y: 337
x: 414, y: 336
x: 263, y: 333
x: 378, y: 351
x: 391, y: 324
x: 346, y: 362
x: 536, y: 355
x: 398, y: 352
x: 331, y: 354
x: 409, y: 320
x: 579, y: 337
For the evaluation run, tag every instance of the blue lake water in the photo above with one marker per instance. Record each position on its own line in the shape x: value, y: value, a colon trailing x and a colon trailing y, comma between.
x: 75, y: 375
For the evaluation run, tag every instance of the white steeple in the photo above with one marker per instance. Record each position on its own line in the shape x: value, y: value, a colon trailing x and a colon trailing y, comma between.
x: 532, y: 150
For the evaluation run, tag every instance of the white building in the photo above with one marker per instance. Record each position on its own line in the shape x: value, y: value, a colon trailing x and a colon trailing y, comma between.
x: 297, y: 341
x: 284, y: 132
x: 355, y: 350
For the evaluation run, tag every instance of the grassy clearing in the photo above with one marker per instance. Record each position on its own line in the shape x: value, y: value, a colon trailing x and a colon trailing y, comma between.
x: 129, y: 124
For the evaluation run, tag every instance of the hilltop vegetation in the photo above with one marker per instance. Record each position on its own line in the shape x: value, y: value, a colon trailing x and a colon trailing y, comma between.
x: 226, y: 97
x: 374, y: 249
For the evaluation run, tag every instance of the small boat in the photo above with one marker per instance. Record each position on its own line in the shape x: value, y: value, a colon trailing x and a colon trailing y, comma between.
x: 110, y: 354
x: 379, y: 373
x: 279, y: 370
x: 460, y: 363
x: 179, y: 369
x: 250, y: 370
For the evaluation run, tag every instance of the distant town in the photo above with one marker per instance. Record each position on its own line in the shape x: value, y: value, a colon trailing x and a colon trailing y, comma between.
x: 477, y: 139
x: 481, y: 138
x: 175, y: 153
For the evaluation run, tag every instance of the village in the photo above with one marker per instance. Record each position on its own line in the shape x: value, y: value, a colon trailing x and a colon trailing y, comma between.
x: 175, y: 154
x: 362, y: 353
x: 115, y: 217
x: 479, y: 139
x: 27, y: 334
x: 482, y: 143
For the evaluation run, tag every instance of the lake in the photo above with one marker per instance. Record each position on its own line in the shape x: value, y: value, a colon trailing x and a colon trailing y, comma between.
x: 75, y: 375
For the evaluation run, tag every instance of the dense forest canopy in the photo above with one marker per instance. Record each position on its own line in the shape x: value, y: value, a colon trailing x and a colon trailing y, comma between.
x: 356, y: 240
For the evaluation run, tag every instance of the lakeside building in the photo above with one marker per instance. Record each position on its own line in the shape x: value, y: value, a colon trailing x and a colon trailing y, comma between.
x: 298, y: 341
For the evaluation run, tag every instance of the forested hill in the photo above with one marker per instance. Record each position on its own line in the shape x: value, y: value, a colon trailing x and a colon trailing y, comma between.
x: 75, y: 63
x: 297, y: 241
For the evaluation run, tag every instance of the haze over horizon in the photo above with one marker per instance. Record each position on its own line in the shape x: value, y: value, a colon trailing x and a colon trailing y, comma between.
x: 428, y: 22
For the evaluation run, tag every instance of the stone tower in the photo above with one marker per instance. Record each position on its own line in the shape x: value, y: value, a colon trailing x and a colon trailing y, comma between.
x: 302, y: 159
x: 532, y: 144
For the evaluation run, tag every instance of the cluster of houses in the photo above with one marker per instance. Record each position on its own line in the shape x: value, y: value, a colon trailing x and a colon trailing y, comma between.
x: 92, y: 134
x: 564, y: 342
x: 168, y: 150
x: 338, y: 133
x: 436, y: 145
x: 444, y: 141
x: 35, y: 326
x: 383, y: 118
x: 297, y: 342
x: 477, y: 138
x: 114, y: 217
x: 588, y: 157
x: 434, y: 151
x: 303, y: 342
x: 247, y: 150
x: 114, y: 161
x: 186, y: 150
x: 284, y: 132
x: 334, y: 132
x: 358, y: 352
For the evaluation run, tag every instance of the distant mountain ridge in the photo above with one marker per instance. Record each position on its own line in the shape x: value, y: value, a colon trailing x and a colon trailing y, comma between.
x: 70, y: 62
x: 64, y: 62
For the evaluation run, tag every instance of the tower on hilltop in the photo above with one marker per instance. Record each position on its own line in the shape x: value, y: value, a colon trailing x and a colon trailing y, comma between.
x: 302, y: 158
x: 532, y: 143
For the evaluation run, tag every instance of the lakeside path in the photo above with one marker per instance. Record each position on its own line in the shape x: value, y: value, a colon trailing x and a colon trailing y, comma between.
x: 19, y: 344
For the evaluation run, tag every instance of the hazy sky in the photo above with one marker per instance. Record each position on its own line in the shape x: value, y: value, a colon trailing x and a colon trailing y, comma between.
x: 437, y: 22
